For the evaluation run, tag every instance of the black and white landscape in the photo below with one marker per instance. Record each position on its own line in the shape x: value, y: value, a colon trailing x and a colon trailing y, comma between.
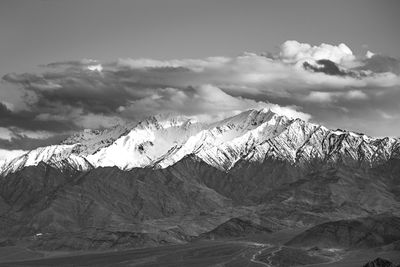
x: 239, y: 182
x: 138, y: 133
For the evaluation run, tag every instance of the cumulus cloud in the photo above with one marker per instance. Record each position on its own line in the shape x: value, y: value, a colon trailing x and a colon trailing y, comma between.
x: 294, y: 51
x: 301, y: 80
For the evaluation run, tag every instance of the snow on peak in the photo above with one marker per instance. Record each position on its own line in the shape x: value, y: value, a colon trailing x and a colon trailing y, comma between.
x: 162, y: 140
x: 146, y: 143
x: 59, y: 156
x: 164, y: 121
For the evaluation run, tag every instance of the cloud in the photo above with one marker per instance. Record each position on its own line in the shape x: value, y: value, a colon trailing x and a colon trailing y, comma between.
x: 325, y: 97
x: 294, y: 51
x: 206, y: 102
x: 325, y: 66
x: 380, y: 64
x: 5, y: 133
x: 356, y: 94
x: 21, y: 140
x: 386, y: 115
x: 325, y: 81
x: 73, y: 64
x: 7, y: 105
x: 191, y: 64
x: 26, y: 120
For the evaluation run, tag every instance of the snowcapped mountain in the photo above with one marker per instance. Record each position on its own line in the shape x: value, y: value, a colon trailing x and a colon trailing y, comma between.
x: 160, y: 141
x: 149, y: 141
x: 59, y: 156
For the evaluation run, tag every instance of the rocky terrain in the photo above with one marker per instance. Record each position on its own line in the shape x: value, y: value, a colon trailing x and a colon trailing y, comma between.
x: 235, y: 227
x: 365, y: 232
x: 172, y: 180
x: 378, y: 262
x: 251, y: 136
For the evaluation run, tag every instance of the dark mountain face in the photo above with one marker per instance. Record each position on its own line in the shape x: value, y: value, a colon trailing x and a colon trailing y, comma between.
x: 317, y: 187
x: 24, y: 194
x: 389, y: 172
x: 379, y: 262
x: 43, y: 199
x: 43, y: 204
x: 273, y: 170
x: 235, y: 227
x: 365, y: 232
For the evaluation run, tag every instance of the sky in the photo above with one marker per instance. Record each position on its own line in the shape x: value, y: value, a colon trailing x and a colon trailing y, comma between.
x: 70, y: 65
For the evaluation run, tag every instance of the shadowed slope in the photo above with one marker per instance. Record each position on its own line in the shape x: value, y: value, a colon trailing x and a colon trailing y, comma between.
x: 235, y: 227
x: 357, y: 233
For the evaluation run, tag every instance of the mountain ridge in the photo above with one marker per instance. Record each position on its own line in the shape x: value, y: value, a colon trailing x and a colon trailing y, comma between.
x: 253, y: 135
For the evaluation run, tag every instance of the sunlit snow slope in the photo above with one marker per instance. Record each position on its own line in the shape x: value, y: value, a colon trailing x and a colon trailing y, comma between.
x: 160, y: 141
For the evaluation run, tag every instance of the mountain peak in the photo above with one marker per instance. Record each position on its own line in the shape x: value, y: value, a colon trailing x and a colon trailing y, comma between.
x: 253, y: 135
x: 248, y: 118
x: 166, y: 120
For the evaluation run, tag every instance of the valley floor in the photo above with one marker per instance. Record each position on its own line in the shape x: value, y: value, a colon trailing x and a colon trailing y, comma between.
x: 230, y: 253
x: 204, y: 253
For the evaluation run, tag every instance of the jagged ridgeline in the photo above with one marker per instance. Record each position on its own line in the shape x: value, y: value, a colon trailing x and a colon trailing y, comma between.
x: 252, y: 136
x: 171, y: 180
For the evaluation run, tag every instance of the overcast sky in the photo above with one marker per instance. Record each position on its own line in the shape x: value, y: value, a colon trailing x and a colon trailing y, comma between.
x: 70, y: 65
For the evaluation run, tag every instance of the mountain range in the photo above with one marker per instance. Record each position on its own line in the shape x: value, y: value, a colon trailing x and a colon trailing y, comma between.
x: 171, y: 179
x: 252, y: 136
